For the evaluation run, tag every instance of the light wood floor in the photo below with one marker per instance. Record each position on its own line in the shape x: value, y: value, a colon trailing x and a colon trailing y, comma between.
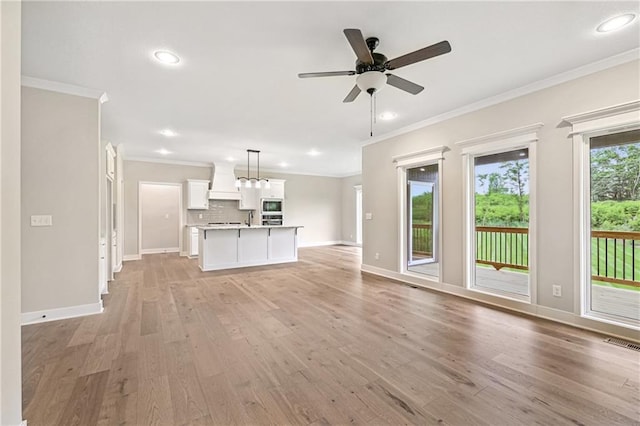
x: 316, y: 343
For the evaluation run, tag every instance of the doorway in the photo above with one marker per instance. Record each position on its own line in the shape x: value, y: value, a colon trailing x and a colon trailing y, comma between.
x: 422, y: 220
x: 160, y: 207
x: 359, y: 215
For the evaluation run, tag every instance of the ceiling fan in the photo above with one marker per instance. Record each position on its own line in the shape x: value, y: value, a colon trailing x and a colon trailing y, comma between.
x: 372, y: 66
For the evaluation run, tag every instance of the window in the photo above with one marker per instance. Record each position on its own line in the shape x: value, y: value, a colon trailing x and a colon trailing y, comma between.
x: 499, y: 205
x: 607, y: 168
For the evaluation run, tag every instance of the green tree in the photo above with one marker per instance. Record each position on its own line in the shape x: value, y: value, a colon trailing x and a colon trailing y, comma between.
x: 516, y: 177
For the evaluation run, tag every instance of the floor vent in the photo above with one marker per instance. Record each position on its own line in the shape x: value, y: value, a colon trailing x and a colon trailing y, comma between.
x: 623, y: 343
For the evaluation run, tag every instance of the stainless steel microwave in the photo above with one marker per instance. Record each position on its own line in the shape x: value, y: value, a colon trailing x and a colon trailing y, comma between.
x: 271, y: 205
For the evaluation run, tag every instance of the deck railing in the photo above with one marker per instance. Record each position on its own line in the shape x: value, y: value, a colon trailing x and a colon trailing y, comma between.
x: 422, y: 237
x: 615, y: 255
x: 502, y: 247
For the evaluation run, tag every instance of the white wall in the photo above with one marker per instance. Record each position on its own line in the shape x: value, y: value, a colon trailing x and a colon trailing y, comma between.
x: 60, y: 177
x: 555, y: 179
x: 10, y: 344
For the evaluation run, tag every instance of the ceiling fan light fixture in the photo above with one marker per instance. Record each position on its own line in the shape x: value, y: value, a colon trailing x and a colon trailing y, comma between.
x: 371, y: 81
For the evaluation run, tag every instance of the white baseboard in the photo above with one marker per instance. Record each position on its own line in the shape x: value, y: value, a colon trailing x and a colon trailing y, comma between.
x: 160, y: 250
x: 118, y: 268
x: 184, y: 254
x: 129, y: 257
x: 350, y: 243
x: 24, y: 423
x: 539, y: 311
x: 61, y: 313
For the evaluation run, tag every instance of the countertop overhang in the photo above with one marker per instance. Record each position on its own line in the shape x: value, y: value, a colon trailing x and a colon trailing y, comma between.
x: 223, y: 227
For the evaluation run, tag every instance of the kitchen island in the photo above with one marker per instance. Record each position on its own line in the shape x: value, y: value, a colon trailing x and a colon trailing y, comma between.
x: 238, y: 246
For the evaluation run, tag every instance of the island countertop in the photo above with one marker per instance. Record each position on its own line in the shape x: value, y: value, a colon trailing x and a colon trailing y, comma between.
x: 238, y: 246
x: 215, y: 227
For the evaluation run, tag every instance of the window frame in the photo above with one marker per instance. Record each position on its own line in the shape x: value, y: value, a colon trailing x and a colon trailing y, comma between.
x: 604, y: 121
x: 495, y: 143
x: 403, y: 162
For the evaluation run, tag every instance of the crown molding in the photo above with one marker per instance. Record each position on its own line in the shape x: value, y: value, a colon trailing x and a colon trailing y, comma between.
x: 69, y: 89
x: 610, y: 62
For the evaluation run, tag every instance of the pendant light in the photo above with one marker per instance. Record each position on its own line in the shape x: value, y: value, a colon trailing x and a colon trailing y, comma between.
x: 255, y: 182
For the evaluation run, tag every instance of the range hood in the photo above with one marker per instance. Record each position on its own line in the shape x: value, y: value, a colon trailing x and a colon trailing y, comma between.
x: 223, y: 183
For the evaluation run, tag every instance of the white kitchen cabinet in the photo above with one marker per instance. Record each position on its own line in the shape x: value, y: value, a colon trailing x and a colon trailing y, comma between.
x: 253, y: 245
x: 276, y: 189
x: 197, y: 194
x: 248, y: 199
x: 193, y: 241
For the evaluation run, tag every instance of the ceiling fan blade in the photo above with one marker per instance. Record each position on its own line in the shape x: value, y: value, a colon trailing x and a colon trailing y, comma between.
x: 359, y: 46
x: 325, y: 74
x: 353, y: 94
x: 419, y: 55
x: 403, y: 84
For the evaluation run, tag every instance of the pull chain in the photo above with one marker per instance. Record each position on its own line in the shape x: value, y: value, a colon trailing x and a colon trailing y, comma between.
x: 371, y: 117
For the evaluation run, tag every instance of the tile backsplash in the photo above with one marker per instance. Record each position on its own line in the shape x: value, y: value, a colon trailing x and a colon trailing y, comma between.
x: 219, y: 211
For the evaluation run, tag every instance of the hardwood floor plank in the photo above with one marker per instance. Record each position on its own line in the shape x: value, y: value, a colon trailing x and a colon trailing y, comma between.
x: 85, y: 402
x: 154, y: 402
x: 315, y: 343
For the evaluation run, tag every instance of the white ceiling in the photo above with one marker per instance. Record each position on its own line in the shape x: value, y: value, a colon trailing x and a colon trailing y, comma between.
x: 237, y: 87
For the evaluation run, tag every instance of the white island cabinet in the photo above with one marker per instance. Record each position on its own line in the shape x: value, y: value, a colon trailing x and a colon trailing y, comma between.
x: 237, y: 246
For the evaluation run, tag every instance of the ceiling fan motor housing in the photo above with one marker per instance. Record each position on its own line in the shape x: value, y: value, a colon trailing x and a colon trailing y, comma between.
x: 379, y: 64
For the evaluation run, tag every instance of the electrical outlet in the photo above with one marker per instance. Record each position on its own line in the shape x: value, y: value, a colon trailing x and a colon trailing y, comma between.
x: 377, y: 256
x: 41, y: 220
x: 557, y: 291
x: 200, y: 216
x: 368, y: 216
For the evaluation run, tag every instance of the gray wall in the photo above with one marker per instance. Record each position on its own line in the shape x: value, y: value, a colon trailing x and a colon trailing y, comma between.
x: 314, y: 202
x: 60, y: 169
x: 140, y: 171
x: 349, y: 207
x: 10, y: 361
x: 555, y: 176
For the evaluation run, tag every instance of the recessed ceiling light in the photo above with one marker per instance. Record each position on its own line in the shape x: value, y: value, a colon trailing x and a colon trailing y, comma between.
x: 422, y: 169
x: 163, y: 151
x: 522, y: 154
x: 166, y: 57
x: 616, y: 22
x: 230, y: 159
x: 283, y: 164
x: 168, y: 133
x: 313, y: 152
x: 388, y: 115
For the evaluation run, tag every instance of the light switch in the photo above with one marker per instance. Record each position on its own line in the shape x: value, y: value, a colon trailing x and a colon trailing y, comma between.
x: 41, y: 220
x: 200, y: 216
x: 368, y: 216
